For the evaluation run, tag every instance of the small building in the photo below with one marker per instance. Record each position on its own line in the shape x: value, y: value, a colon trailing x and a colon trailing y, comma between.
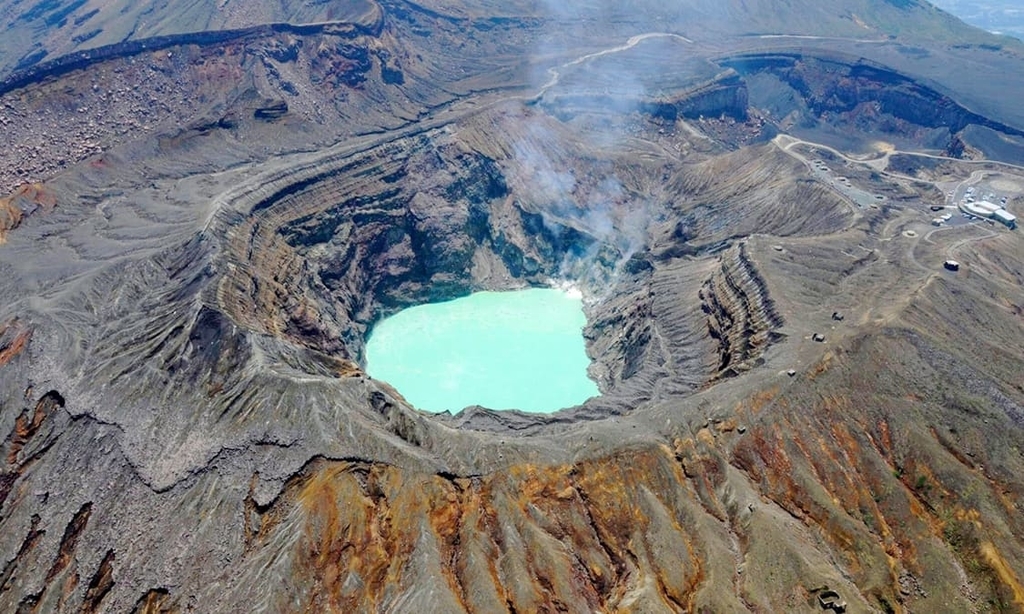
x: 831, y: 600
x: 951, y: 265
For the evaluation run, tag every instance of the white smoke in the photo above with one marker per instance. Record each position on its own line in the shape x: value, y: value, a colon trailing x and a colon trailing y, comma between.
x: 546, y: 158
x: 615, y: 218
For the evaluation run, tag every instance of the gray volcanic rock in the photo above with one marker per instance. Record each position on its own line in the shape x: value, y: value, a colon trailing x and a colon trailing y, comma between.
x: 203, y: 227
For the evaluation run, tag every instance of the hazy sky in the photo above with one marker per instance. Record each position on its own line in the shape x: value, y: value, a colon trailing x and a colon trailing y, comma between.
x: 1003, y: 16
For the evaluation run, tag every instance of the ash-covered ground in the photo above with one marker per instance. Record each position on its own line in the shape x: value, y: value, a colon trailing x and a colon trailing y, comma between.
x: 798, y: 398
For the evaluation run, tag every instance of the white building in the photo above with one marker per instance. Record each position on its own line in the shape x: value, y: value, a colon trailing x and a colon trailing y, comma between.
x: 988, y: 210
x: 1005, y: 217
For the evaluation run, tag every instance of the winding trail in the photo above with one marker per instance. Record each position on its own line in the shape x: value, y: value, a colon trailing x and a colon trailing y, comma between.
x: 632, y: 42
x: 880, y: 164
x: 785, y: 142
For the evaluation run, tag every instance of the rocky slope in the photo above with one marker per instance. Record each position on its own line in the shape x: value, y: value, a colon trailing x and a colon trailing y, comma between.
x: 796, y: 398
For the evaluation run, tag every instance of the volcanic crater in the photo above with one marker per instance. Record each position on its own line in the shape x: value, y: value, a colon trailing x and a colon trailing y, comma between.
x: 319, y: 256
x: 797, y: 399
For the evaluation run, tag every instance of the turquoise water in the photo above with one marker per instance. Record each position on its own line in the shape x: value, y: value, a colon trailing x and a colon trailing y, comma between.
x: 502, y: 350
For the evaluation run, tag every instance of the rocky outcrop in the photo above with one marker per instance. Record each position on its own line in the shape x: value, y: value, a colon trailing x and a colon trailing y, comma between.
x: 14, y: 337
x: 741, y: 315
x: 271, y: 110
x: 28, y: 439
x: 25, y: 201
x: 725, y: 95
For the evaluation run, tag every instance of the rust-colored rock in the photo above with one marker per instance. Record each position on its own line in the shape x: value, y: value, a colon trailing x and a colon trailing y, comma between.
x: 22, y: 202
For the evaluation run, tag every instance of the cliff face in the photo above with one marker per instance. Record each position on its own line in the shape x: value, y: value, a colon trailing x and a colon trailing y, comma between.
x: 848, y: 92
x: 796, y: 399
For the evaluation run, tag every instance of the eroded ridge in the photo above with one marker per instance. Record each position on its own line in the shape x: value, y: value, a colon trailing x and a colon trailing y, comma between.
x: 741, y: 315
x: 344, y: 530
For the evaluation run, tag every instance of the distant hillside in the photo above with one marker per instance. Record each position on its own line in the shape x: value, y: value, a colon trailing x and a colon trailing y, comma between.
x: 31, y: 33
x: 45, y: 29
